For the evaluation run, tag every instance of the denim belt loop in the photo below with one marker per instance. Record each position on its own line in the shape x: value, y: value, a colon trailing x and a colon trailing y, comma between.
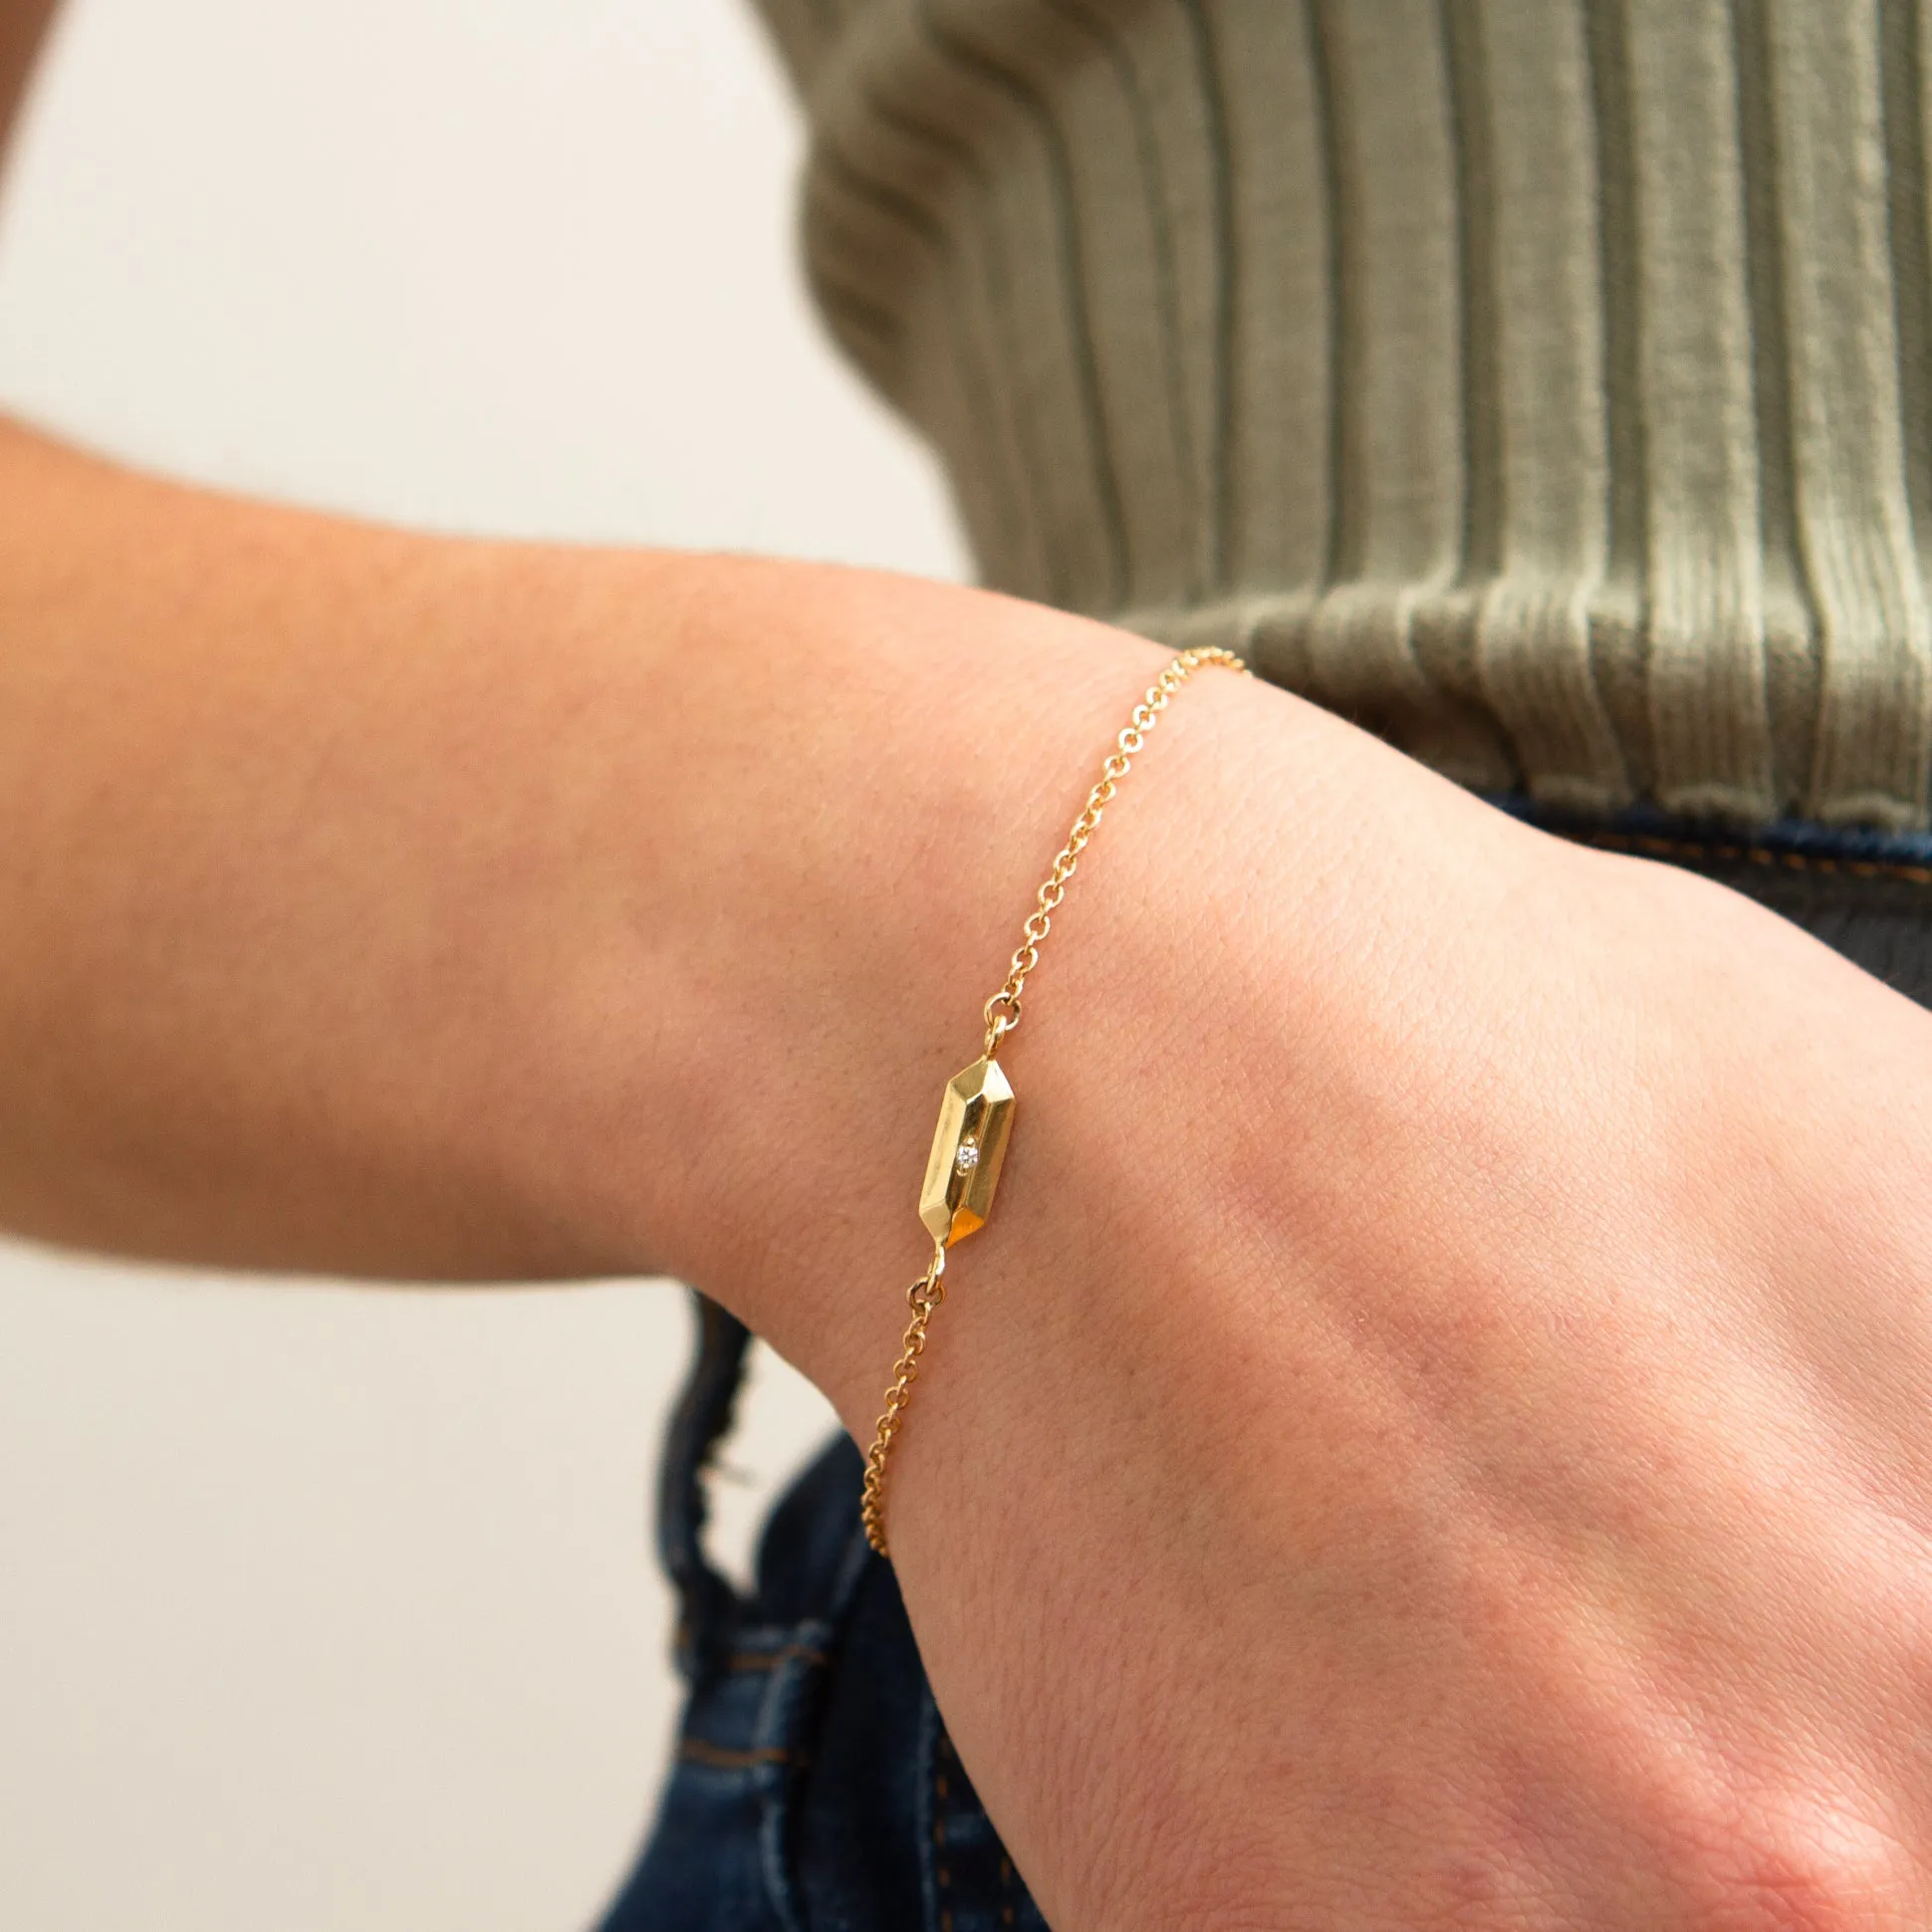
x: 709, y: 1605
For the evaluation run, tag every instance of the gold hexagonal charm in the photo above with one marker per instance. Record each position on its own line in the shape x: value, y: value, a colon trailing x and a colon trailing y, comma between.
x: 968, y: 1146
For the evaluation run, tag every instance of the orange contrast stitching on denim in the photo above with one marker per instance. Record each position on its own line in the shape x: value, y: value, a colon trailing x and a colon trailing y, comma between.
x: 719, y: 1757
x: 755, y: 1660
x: 1793, y: 862
x: 940, y: 1787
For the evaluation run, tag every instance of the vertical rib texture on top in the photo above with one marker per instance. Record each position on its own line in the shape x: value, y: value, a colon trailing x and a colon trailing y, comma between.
x: 1542, y: 383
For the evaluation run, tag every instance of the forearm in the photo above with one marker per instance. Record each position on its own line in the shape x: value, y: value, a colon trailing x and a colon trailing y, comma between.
x: 391, y: 905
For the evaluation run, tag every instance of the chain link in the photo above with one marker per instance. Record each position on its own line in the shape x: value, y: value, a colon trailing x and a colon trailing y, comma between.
x: 1002, y: 1015
x: 923, y: 1298
x: 1002, y: 1011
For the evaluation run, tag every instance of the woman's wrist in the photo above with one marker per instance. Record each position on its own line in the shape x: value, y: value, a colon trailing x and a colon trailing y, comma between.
x: 848, y: 867
x: 385, y: 905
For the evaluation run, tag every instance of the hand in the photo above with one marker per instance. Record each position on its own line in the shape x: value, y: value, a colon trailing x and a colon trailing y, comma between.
x: 1439, y: 1429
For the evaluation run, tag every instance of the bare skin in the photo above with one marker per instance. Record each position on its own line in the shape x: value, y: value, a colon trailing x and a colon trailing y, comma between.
x: 1435, y: 1435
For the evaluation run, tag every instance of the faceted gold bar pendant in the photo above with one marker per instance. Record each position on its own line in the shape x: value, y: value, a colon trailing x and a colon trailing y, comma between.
x: 968, y: 1146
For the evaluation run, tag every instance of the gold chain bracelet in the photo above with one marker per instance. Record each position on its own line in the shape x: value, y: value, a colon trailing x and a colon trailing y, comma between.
x: 976, y: 1115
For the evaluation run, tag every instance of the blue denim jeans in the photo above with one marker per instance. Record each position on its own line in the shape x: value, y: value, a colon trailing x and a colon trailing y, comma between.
x: 814, y: 1785
x: 813, y: 1789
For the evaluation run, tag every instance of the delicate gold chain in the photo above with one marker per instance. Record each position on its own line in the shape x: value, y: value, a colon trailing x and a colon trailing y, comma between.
x: 923, y: 1297
x: 975, y: 1119
x: 1003, y: 1008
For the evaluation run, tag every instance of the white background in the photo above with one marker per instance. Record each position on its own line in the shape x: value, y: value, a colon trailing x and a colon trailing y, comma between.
x: 325, y: 1607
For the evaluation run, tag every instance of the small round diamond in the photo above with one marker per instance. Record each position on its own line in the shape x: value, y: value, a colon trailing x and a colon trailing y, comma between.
x: 967, y: 1157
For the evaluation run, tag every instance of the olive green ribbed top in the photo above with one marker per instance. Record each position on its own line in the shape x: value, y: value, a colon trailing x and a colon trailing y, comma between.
x: 1542, y: 383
